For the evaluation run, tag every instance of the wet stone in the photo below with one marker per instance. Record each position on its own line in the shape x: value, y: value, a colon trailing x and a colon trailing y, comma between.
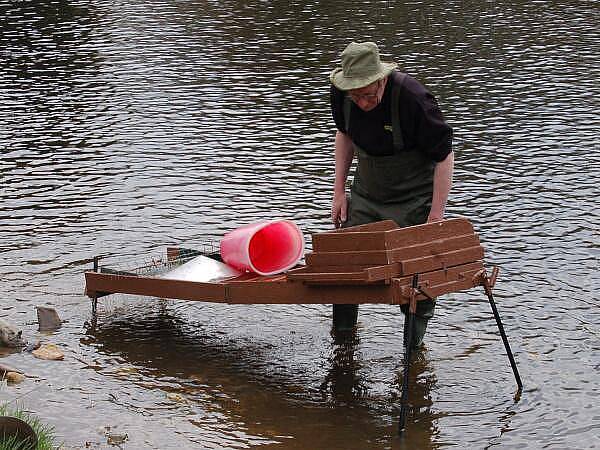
x: 48, y: 318
x: 116, y: 439
x: 49, y: 352
x: 14, y: 377
x: 10, y: 335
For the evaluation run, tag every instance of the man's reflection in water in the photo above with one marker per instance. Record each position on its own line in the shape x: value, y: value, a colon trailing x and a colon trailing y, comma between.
x: 342, y: 381
x: 345, y: 384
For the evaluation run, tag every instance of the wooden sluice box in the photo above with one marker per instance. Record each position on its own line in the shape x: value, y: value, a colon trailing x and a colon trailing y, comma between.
x: 373, y: 263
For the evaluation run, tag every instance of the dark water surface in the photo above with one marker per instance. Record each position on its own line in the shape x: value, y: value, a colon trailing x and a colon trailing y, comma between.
x: 129, y: 126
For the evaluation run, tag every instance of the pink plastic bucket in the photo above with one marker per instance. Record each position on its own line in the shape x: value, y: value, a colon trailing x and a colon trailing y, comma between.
x: 267, y: 247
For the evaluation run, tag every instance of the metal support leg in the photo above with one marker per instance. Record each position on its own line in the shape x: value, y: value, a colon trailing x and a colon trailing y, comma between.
x: 95, y: 298
x: 408, y: 322
x: 488, y: 290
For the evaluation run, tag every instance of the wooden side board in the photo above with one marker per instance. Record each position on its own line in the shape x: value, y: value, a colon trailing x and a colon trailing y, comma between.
x: 101, y: 283
x: 381, y: 257
x: 390, y: 239
x: 382, y: 225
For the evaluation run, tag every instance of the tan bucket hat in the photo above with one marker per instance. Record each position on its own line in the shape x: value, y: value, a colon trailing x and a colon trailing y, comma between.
x: 361, y: 66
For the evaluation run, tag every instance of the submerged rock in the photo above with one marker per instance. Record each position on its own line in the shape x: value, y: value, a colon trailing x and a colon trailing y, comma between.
x: 116, y: 439
x: 14, y: 377
x: 175, y: 397
x: 47, y: 318
x: 113, y: 438
x: 10, y: 336
x: 49, y: 352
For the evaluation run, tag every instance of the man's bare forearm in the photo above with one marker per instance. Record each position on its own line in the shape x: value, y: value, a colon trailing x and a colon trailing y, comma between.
x: 442, y: 183
x: 344, y: 152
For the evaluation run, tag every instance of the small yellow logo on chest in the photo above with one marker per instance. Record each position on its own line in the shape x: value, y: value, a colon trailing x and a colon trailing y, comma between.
x: 387, y: 127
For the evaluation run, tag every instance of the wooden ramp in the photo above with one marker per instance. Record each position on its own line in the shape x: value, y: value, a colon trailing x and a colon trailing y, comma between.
x: 374, y: 263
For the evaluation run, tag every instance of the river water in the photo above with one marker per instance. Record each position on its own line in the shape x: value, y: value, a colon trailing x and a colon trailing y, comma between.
x: 126, y: 127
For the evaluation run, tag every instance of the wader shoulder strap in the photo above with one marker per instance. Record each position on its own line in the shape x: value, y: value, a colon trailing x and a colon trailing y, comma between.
x: 398, y: 81
x: 346, y: 109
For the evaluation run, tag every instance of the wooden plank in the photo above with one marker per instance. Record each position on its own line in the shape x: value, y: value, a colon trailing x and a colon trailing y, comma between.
x: 386, y: 240
x: 317, y: 277
x: 340, y: 274
x: 449, y: 274
x: 438, y: 282
x: 448, y: 259
x: 154, y: 287
x: 286, y: 292
x: 381, y: 257
x: 349, y: 241
x: 382, y: 225
x: 435, y: 291
x: 420, y: 234
x: 345, y: 268
x: 383, y: 272
x: 376, y: 257
x: 452, y: 286
x: 398, y: 292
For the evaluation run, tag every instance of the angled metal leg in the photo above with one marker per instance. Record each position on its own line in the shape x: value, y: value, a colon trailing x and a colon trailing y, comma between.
x: 488, y: 290
x: 408, y: 324
x: 95, y: 298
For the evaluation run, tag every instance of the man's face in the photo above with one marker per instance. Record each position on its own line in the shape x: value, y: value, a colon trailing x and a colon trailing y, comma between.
x: 368, y: 97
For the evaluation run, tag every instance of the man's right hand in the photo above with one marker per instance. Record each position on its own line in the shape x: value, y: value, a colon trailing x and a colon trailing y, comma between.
x: 339, y: 209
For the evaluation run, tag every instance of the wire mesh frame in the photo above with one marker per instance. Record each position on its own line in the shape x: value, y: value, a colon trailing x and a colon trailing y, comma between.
x: 171, y: 258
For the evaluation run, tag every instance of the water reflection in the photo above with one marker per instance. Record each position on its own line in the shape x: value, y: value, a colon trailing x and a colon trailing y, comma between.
x: 344, y: 382
x: 223, y: 384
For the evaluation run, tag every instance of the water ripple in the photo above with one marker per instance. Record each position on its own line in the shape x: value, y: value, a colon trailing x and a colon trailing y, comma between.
x: 129, y: 126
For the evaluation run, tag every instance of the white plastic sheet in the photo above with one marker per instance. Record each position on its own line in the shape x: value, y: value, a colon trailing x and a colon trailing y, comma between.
x: 202, y: 269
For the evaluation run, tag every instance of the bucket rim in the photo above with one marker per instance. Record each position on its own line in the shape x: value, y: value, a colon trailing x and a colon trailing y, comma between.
x: 300, y: 252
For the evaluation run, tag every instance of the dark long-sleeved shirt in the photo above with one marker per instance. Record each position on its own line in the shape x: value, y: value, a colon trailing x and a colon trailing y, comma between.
x: 423, y: 126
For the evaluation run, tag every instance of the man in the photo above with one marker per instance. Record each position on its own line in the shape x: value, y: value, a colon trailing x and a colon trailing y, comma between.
x: 404, y: 149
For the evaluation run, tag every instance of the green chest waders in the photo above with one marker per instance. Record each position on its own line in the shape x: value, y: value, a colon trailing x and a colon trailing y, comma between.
x: 397, y: 187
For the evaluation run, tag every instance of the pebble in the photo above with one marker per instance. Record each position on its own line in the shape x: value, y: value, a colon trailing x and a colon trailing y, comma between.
x: 116, y: 439
x: 49, y: 352
x: 126, y: 370
x: 178, y: 398
x: 14, y: 377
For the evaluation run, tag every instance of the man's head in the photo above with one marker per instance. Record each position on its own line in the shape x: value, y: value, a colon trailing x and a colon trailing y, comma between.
x: 362, y: 74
